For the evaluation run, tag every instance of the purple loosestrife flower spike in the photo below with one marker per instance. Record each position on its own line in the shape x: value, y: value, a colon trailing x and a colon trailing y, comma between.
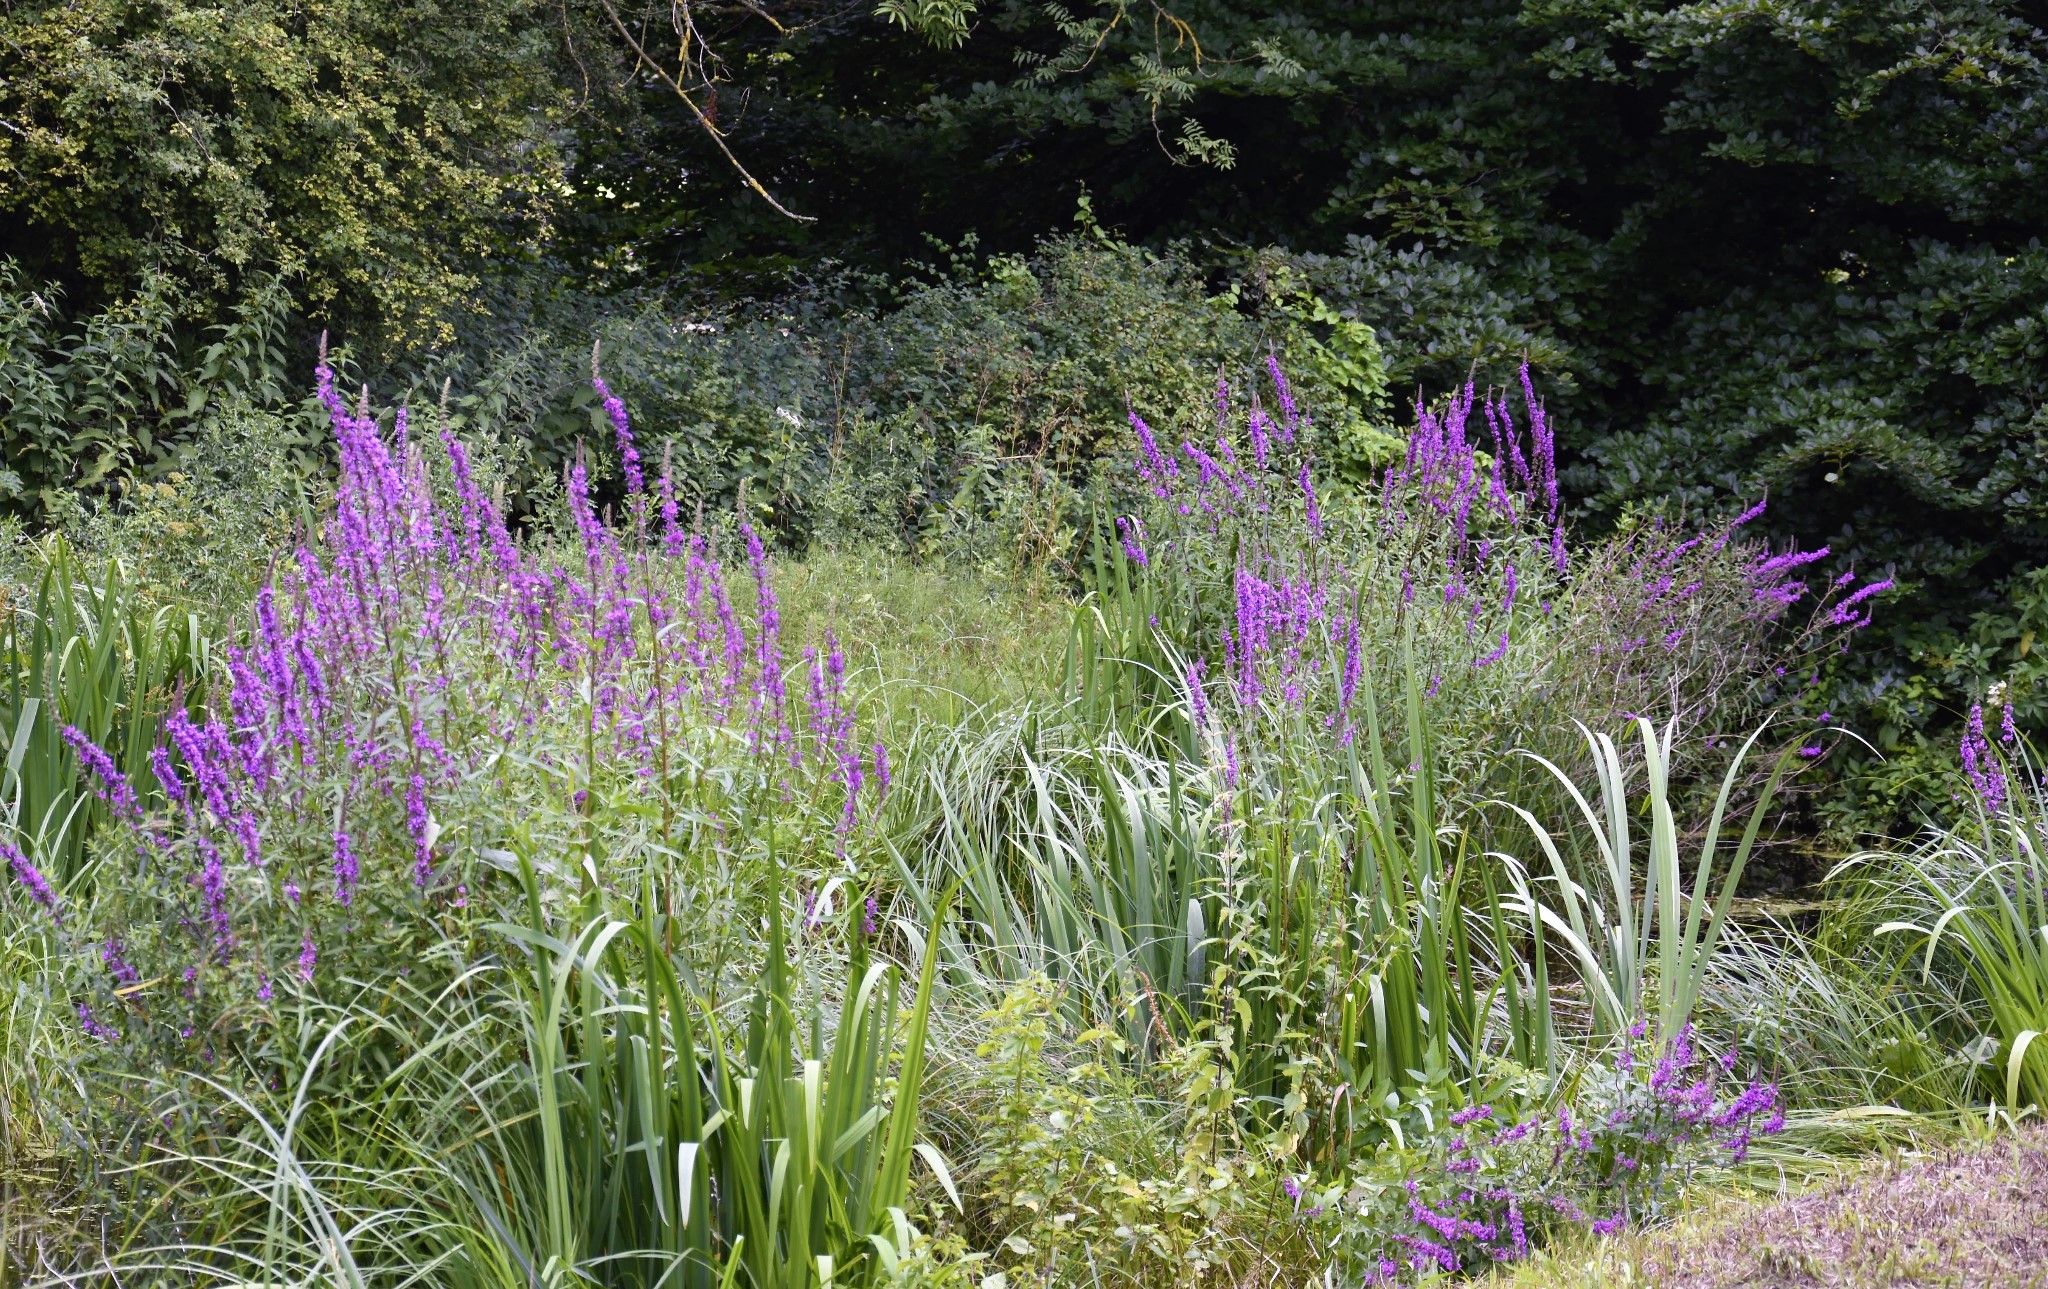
x: 1132, y: 532
x: 113, y: 789
x: 212, y: 881
x: 1728, y: 533
x: 114, y: 954
x: 1156, y: 468
x: 1982, y: 764
x: 309, y: 955
x: 1308, y: 495
x: 1290, y: 418
x: 1753, y: 1100
x: 1545, y: 441
x: 1353, y: 666
x: 672, y: 538
x: 1771, y: 568
x: 1255, y: 426
x: 615, y: 410
x: 347, y: 870
x: 32, y: 880
x: 1845, y: 615
x: 595, y: 538
x: 93, y: 1028
x: 167, y: 774
x: 1494, y: 655
x: 417, y: 827
x: 770, y: 696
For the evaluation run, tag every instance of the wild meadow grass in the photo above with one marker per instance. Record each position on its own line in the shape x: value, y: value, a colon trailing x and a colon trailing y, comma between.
x: 1317, y: 885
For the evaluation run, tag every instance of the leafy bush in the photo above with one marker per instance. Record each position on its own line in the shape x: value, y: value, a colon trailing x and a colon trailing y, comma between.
x: 121, y: 408
x: 964, y: 416
x: 377, y: 157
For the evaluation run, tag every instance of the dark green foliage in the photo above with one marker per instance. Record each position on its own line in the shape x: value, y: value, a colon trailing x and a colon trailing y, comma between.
x: 95, y: 405
x: 987, y: 390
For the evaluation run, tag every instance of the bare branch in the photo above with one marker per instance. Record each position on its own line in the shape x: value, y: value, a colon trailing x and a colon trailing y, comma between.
x: 710, y: 127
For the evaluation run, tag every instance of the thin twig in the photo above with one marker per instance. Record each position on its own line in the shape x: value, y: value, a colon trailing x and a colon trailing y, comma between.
x: 702, y: 120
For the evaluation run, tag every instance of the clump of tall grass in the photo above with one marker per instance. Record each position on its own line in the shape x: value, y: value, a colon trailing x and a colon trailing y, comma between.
x: 1967, y: 910
x: 82, y: 655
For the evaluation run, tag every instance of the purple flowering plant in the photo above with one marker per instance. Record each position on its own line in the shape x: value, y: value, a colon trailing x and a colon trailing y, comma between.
x: 1289, y: 590
x: 1487, y: 1182
x: 418, y: 690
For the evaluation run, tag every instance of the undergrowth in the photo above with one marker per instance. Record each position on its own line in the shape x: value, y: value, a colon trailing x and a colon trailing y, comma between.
x: 607, y: 900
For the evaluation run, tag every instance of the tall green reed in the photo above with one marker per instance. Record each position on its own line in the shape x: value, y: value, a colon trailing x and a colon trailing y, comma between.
x: 661, y: 1144
x: 90, y: 654
x: 1642, y: 953
x: 1972, y: 898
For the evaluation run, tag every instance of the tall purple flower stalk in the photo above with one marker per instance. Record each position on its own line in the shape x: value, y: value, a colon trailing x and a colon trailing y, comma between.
x: 31, y: 879
x: 1980, y: 762
x: 1154, y: 467
x: 348, y: 870
x: 629, y: 455
x: 1308, y: 495
x: 113, y: 785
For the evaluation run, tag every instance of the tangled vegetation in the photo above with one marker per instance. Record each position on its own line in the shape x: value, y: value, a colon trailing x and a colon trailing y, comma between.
x: 968, y: 643
x: 606, y: 900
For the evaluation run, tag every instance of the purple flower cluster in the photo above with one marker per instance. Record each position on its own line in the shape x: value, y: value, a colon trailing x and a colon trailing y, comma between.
x: 111, y: 785
x: 1487, y: 1194
x: 1446, y: 469
x: 31, y: 879
x: 1484, y: 518
x: 398, y: 652
x: 629, y: 454
x: 1981, y: 763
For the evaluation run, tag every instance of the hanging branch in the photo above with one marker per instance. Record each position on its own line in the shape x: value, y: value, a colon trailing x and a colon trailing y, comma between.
x: 710, y: 127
